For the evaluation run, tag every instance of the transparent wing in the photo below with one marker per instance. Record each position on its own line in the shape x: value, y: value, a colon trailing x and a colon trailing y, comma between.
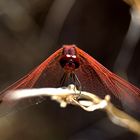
x: 42, y: 76
x: 101, y: 81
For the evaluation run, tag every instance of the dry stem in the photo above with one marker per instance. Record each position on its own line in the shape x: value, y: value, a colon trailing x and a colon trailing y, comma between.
x: 87, y: 101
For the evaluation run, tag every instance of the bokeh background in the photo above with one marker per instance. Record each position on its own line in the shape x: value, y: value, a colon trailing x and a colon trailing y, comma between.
x: 31, y: 30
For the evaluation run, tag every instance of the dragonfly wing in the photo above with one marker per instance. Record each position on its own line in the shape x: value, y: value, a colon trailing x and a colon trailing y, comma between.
x: 39, y: 77
x: 7, y: 106
x: 102, y: 82
x: 128, y: 93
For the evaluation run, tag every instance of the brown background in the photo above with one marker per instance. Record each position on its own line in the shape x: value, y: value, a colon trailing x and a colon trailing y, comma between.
x: 31, y: 30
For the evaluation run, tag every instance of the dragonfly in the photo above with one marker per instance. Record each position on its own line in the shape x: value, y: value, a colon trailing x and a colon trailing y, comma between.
x: 71, y: 65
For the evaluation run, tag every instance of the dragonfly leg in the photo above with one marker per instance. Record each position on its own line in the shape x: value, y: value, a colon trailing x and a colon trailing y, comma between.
x: 63, y: 79
x: 76, y: 81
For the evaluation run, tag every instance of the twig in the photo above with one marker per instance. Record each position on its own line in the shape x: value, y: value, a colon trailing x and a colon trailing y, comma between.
x: 87, y: 101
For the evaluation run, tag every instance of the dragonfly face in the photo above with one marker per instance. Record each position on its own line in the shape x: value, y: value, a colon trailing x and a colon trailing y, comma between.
x: 69, y: 59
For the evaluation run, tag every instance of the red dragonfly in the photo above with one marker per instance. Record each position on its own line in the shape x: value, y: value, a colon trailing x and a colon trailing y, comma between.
x: 68, y: 65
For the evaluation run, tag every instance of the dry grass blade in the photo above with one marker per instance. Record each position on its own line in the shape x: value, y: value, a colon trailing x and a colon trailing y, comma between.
x: 87, y: 101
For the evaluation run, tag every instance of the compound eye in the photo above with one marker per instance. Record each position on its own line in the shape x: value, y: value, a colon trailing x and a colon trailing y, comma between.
x: 68, y: 55
x: 63, y: 62
x: 74, y: 56
x: 69, y: 62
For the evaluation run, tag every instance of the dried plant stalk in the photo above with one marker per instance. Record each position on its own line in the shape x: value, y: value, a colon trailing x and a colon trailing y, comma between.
x: 87, y: 101
x: 133, y: 3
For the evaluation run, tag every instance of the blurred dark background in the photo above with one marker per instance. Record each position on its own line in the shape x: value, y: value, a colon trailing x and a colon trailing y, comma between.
x: 31, y: 30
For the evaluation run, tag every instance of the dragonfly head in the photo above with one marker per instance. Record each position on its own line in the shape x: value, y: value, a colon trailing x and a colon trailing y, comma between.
x: 69, y: 59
